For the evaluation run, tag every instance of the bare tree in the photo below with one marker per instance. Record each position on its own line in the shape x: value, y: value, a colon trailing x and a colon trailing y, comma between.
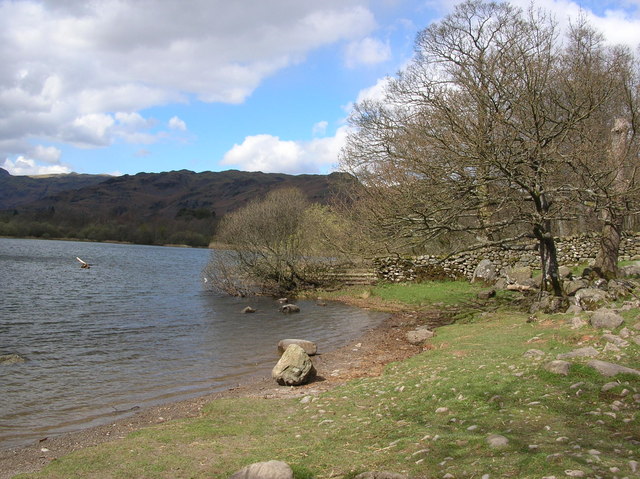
x: 470, y: 141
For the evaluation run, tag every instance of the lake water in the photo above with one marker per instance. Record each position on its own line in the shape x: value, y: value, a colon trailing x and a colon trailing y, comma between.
x: 136, y: 329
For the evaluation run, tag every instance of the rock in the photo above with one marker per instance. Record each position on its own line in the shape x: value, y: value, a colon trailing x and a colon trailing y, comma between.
x: 606, y: 319
x: 485, y: 271
x: 248, y: 309
x: 610, y: 369
x: 586, y: 352
x: 486, y: 294
x: 572, y: 287
x: 574, y: 473
x: 265, y: 470
x: 309, y: 346
x: 549, y: 304
x: 294, y: 368
x: 497, y: 441
x: 558, y: 367
x: 617, y: 340
x: 591, y: 299
x: 630, y: 271
x: 518, y: 274
x: 289, y: 308
x: 535, y: 354
x: 283, y: 300
x: 577, y: 322
x: 564, y: 272
x: 618, y: 289
x: 419, y: 335
x: 381, y: 475
x: 574, y: 309
x: 11, y: 359
x: 609, y: 386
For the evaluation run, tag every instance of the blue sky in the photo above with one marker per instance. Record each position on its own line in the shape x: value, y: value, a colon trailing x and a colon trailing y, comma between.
x: 120, y: 87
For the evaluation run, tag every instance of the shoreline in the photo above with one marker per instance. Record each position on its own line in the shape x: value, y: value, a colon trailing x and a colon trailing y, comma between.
x: 363, y: 357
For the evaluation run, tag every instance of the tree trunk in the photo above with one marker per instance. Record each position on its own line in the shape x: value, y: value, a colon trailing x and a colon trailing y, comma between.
x: 606, y: 264
x: 548, y: 260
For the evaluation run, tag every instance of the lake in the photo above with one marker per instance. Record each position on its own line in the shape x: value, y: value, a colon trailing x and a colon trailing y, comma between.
x: 138, y: 328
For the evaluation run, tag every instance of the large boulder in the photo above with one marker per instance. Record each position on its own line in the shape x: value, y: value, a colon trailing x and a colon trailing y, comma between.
x: 630, y: 271
x: 572, y: 287
x: 518, y: 274
x: 265, y: 470
x: 610, y: 369
x: 294, y: 368
x: 591, y: 299
x: 606, y: 319
x: 485, y: 271
x: 419, y: 335
x: 558, y: 367
x: 309, y: 346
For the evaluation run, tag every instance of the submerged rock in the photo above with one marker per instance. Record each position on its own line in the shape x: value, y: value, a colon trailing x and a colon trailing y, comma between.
x: 289, y: 308
x: 11, y: 359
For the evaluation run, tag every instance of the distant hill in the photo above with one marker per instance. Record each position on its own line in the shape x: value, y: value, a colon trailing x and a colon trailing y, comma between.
x: 179, y: 207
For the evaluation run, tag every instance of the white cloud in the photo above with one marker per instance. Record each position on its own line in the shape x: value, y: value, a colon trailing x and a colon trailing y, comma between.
x: 176, y: 123
x: 270, y: 154
x: 68, y: 67
x: 46, y: 154
x: 368, y: 51
x: 320, y: 128
x: 27, y: 166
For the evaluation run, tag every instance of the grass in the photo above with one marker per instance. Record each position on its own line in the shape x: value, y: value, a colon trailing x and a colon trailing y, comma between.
x: 427, y: 416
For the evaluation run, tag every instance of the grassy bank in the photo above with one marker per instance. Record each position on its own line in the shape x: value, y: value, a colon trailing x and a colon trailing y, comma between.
x: 428, y: 416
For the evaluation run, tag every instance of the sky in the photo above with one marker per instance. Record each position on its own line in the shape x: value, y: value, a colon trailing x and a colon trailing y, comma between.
x: 127, y: 86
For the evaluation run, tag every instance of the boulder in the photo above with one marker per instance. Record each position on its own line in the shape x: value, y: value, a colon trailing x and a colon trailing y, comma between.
x: 610, y: 369
x: 587, y: 352
x: 248, y: 309
x: 294, y: 368
x: 419, y: 335
x: 518, y: 274
x: 572, y: 287
x: 606, y: 319
x: 630, y: 271
x: 534, y: 354
x: 549, y: 304
x: 11, y: 359
x: 309, y: 346
x: 486, y: 294
x: 289, y: 308
x: 265, y: 470
x: 558, y: 367
x: 564, y: 272
x: 591, y: 299
x: 485, y: 271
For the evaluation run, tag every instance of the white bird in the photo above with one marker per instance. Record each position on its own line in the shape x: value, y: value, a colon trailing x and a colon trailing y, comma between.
x: 83, y: 264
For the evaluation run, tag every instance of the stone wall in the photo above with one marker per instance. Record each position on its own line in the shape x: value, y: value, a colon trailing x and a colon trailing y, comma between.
x: 572, y: 250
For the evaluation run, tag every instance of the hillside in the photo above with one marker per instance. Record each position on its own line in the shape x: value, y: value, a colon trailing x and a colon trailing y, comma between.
x: 151, y: 208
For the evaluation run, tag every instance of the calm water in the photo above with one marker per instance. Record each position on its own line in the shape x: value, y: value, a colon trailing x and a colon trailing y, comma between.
x: 136, y: 329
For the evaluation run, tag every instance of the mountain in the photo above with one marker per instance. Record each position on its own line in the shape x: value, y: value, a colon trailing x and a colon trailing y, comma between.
x: 21, y: 190
x: 152, y: 208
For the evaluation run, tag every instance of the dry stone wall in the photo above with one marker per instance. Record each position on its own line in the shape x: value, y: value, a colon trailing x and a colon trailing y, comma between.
x: 571, y: 250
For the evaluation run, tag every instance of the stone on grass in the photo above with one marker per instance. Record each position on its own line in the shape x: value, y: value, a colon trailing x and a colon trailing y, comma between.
x: 419, y: 335
x: 577, y: 322
x: 309, y: 346
x: 289, y: 308
x: 294, y: 368
x: 629, y: 271
x: 497, y: 441
x: 265, y: 470
x: 617, y: 340
x: 381, y: 475
x: 611, y: 369
x: 591, y: 299
x: 485, y: 271
x: 558, y: 367
x: 586, y: 352
x: 606, y: 319
x: 535, y: 354
x: 486, y: 294
x: 572, y: 287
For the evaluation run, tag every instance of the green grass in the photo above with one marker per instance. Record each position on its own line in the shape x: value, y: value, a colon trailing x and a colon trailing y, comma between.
x: 429, y: 293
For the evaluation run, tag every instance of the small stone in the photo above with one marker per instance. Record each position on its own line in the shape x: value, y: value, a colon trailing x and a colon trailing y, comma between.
x: 634, y: 466
x: 419, y: 335
x: 535, y: 354
x: 558, y: 367
x: 472, y: 428
x: 442, y: 410
x: 606, y: 319
x: 574, y: 473
x: 248, y: 309
x: 577, y: 322
x: 265, y: 470
x: 380, y: 475
x: 587, y: 352
x: 608, y: 387
x: 497, y: 441
x: 289, y: 308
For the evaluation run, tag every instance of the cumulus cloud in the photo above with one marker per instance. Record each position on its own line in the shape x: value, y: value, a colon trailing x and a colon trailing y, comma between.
x: 368, y: 51
x: 28, y: 166
x: 320, y: 128
x: 176, y: 123
x: 68, y: 67
x: 270, y: 154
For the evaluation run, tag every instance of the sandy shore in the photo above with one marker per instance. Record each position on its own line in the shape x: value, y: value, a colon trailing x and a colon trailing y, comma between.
x: 365, y: 356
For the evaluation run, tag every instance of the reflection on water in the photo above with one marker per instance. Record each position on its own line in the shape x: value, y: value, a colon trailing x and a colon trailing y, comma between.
x: 136, y: 329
